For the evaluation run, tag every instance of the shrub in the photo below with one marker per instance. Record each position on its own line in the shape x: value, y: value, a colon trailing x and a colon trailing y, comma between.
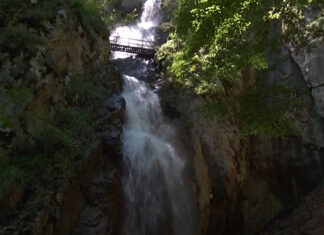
x: 89, y: 13
x: 9, y: 10
x: 13, y: 103
x: 82, y: 91
x: 10, y: 176
x: 17, y: 38
x: 50, y: 140
x: 5, y: 120
x: 44, y: 10
x: 261, y: 110
x: 17, y: 11
x: 77, y: 123
x: 17, y: 99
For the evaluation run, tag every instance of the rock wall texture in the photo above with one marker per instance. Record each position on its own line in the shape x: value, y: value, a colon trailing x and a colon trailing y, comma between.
x: 89, y: 200
x: 307, y: 218
x: 132, y: 4
x: 242, y: 185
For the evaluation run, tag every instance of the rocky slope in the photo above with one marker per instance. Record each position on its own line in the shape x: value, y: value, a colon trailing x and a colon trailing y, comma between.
x: 307, y: 218
x: 72, y: 118
x: 243, y: 184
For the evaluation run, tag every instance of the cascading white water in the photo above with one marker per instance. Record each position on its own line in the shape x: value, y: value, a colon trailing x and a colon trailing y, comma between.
x: 143, y: 30
x: 152, y: 12
x: 157, y: 195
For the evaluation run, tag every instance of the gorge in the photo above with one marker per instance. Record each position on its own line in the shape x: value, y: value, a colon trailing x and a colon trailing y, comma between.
x: 100, y: 142
x: 157, y: 197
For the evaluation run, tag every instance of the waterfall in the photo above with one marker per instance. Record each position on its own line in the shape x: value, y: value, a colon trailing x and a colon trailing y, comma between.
x: 157, y: 197
x: 143, y: 30
x: 157, y: 193
x: 151, y: 13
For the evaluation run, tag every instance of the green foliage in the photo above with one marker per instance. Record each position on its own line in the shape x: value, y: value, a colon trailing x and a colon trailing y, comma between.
x: 220, y: 38
x: 19, y: 95
x: 17, y: 38
x: 90, y: 14
x: 77, y: 123
x: 216, y: 40
x: 43, y: 10
x: 168, y: 8
x: 131, y: 17
x: 13, y: 12
x: 31, y: 162
x: 16, y: 15
x: 38, y: 159
x: 83, y: 91
x: 9, y: 9
x: 16, y: 98
x: 262, y: 110
x: 5, y: 120
x: 166, y: 52
x: 118, y: 14
x: 13, y: 103
x: 10, y: 177
x: 36, y: 203
x: 40, y: 156
x: 48, y: 141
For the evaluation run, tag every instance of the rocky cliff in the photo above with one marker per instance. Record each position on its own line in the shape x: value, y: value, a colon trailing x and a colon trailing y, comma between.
x: 61, y: 117
x: 243, y: 184
x: 130, y: 5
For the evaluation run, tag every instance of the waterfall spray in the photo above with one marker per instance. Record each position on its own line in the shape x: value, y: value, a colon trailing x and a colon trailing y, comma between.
x: 157, y: 195
x: 158, y: 199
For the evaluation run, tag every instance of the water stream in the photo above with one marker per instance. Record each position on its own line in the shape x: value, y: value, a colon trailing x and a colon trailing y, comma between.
x: 144, y: 30
x: 157, y: 193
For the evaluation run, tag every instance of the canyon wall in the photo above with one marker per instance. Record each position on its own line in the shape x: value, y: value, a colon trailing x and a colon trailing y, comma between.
x: 86, y: 199
x: 243, y: 184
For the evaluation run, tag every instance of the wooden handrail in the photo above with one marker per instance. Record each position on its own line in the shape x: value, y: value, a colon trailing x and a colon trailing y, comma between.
x: 142, y: 48
x: 129, y: 39
x: 132, y: 42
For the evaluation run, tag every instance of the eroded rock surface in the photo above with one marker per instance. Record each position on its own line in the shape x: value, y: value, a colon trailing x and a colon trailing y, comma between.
x: 307, y: 218
x: 243, y: 184
x: 87, y: 200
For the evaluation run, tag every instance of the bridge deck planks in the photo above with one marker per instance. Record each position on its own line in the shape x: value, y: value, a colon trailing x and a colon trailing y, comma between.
x: 140, y: 51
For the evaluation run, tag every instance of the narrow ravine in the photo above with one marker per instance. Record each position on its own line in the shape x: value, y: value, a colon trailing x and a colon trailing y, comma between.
x: 158, y: 196
x: 213, y: 126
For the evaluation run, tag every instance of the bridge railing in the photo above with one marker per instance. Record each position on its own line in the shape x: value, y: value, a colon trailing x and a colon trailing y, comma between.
x: 145, y: 44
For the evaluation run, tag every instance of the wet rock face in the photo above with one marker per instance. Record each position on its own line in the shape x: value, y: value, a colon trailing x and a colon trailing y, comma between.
x: 129, y: 5
x: 111, y: 124
x: 307, y: 218
x: 91, y: 201
x: 242, y: 185
x: 92, y: 221
x: 280, y: 172
x: 103, y: 213
x: 145, y: 70
x: 100, y: 176
x: 311, y: 62
x: 219, y: 166
x: 71, y: 49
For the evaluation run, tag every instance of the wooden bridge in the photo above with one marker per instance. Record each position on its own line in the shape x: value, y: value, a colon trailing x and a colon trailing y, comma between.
x: 142, y: 48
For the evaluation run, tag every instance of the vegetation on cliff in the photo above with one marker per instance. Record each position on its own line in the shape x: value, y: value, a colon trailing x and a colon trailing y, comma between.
x: 47, y: 113
x: 116, y: 13
x: 216, y: 42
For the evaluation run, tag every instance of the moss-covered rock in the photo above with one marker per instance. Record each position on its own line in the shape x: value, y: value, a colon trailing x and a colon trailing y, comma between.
x: 55, y: 86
